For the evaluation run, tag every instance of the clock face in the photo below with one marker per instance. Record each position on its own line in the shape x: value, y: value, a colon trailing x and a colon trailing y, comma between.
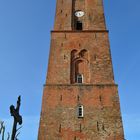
x: 79, y: 13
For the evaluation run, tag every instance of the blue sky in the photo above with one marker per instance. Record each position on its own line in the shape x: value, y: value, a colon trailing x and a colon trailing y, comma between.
x: 24, y: 47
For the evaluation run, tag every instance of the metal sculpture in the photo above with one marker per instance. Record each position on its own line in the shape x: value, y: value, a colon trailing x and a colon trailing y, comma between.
x: 17, y: 118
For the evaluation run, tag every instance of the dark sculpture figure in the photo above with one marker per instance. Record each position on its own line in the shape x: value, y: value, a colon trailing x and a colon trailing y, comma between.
x: 17, y: 118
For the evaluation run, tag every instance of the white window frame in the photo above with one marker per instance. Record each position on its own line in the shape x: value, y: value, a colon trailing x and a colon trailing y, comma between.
x: 79, y: 76
x: 80, y: 111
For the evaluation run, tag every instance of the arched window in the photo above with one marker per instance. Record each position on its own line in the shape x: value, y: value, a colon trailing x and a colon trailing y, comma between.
x: 73, y: 54
x: 79, y: 78
x: 80, y: 111
x: 73, y: 57
x: 79, y: 69
x: 83, y: 53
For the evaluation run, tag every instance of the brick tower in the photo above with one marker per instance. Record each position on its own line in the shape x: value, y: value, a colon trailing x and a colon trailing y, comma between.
x: 80, y: 99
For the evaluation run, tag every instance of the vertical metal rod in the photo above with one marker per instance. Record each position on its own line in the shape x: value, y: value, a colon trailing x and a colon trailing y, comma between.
x: 17, y: 118
x: 14, y: 130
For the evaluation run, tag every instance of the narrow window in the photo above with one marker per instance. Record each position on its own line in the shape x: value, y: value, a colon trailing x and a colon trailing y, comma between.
x: 79, y: 78
x: 100, y: 97
x: 61, y: 98
x: 103, y: 127
x: 80, y: 111
x: 78, y: 97
x: 79, y: 25
x: 60, y: 128
x: 98, y: 126
x: 80, y: 128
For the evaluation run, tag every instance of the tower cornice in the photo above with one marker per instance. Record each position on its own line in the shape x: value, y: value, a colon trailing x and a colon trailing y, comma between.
x: 82, y: 85
x: 79, y: 31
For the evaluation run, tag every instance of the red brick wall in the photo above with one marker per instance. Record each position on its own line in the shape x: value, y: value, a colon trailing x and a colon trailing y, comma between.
x: 101, y: 113
x: 98, y: 93
x: 92, y: 20
x: 99, y: 67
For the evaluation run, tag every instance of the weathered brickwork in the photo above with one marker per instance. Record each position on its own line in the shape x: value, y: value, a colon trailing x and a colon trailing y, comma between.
x: 93, y: 20
x: 85, y: 52
x: 99, y: 58
x: 102, y: 119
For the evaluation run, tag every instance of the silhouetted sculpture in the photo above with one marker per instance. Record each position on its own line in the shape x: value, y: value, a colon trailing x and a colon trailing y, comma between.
x: 17, y: 118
